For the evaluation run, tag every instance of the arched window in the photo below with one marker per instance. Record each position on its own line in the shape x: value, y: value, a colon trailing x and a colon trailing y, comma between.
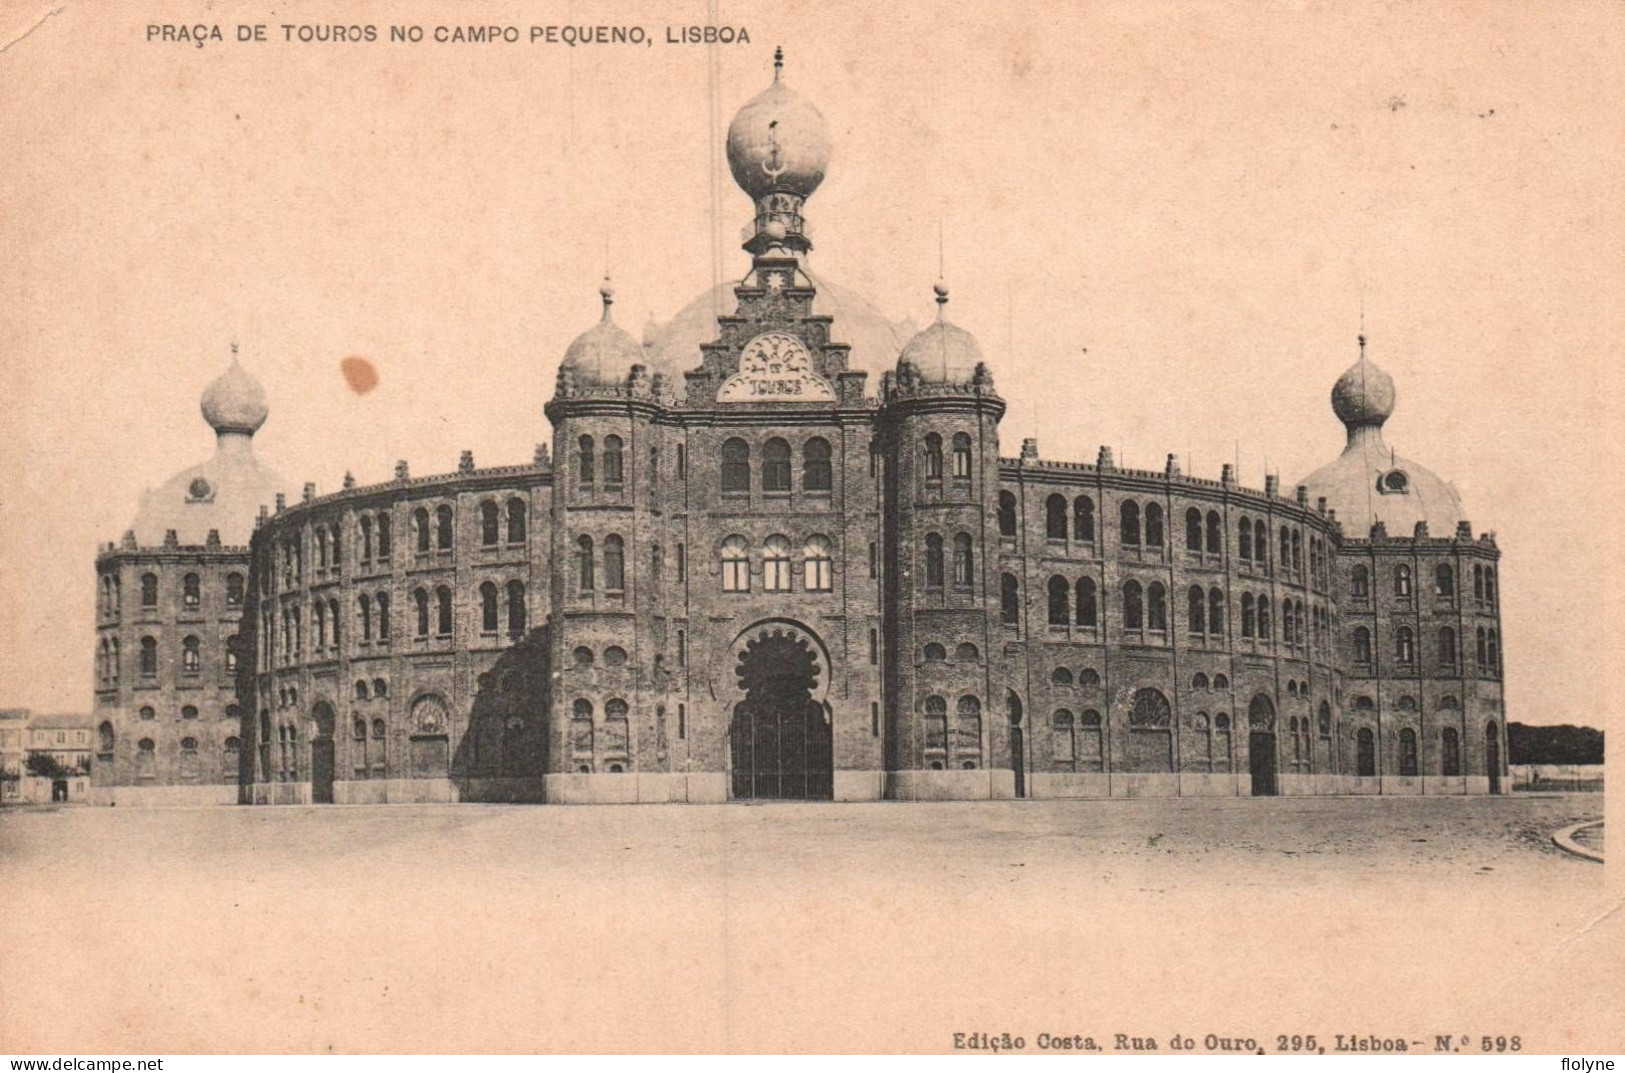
x: 380, y: 688
x: 586, y: 582
x: 1220, y: 683
x: 516, y: 609
x: 933, y: 457
x: 1010, y: 600
x: 234, y: 590
x: 490, y: 523
x: 1325, y: 718
x: 420, y: 601
x: 962, y: 455
x: 361, y: 694
x: 934, y: 567
x: 1084, y: 599
x: 1129, y: 518
x: 614, y: 563
x: 1061, y: 677
x: 1196, y: 609
x: 1193, y: 530
x: 1055, y: 518
x: 1083, y: 520
x: 489, y: 615
x: 935, y: 653
x: 333, y: 618
x: 1450, y: 751
x: 586, y: 461
x: 817, y: 475
x: 1215, y: 533
x: 1261, y: 713
x: 936, y: 727
x: 104, y: 738
x: 1359, y: 582
x: 1288, y: 623
x: 1151, y: 711
x: 818, y: 564
x: 775, y: 466
x: 1286, y: 548
x: 1153, y: 525
x: 1266, y: 629
x: 582, y: 657
x: 365, y: 550
x: 1297, y: 550
x: 318, y: 624
x: 383, y: 536
x: 1489, y: 585
x: 1007, y: 514
x: 735, y: 565
x: 189, y: 712
x: 320, y: 541
x: 1402, y: 581
x: 420, y: 523
x: 614, y: 656
x: 965, y: 652
x: 1494, y: 653
x: 964, y: 561
x: 516, y: 521
x: 442, y: 528
x: 383, y: 616
x: 1244, y: 541
x: 1407, y: 751
x: 1249, y: 621
x: 581, y: 743
x: 1156, y: 606
x: 1133, y: 609
x: 1444, y: 581
x: 149, y: 591
x: 1199, y: 682
x: 191, y: 655
x: 1216, y: 613
x: 617, y: 731
x: 363, y: 605
x: 1478, y: 581
x: 1362, y: 645
x: 1483, y: 649
x: 1065, y: 747
x: 1405, y: 645
x: 968, y: 733
x: 614, y: 470
x: 736, y: 466
x: 443, y: 620
x: 1060, y: 600
x: 191, y: 590
x: 775, y: 561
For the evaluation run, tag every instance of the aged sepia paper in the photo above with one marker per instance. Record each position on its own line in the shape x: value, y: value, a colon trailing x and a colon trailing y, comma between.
x: 909, y: 527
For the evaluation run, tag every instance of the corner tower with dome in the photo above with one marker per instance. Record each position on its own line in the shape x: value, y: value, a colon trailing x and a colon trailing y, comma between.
x: 169, y: 604
x: 773, y: 550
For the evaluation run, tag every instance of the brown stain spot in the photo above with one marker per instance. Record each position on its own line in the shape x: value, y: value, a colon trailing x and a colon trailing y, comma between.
x: 359, y: 374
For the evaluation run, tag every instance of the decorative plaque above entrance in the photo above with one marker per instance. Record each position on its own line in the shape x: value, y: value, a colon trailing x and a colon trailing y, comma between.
x: 775, y: 367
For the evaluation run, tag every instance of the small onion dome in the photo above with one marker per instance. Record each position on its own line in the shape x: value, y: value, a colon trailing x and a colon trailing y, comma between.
x: 235, y: 402
x: 778, y: 143
x: 942, y: 353
x: 603, y: 354
x: 1364, y: 394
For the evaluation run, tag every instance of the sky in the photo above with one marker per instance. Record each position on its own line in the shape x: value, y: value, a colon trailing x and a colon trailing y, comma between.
x: 1162, y: 222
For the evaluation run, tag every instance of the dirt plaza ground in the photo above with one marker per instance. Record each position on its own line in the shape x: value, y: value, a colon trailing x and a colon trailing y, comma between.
x: 889, y: 926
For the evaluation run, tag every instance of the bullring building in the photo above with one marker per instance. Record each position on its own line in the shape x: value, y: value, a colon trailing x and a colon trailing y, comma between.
x: 780, y: 553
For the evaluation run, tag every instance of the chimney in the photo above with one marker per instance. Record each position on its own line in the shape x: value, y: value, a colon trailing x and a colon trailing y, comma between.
x: 540, y: 458
x: 281, y: 502
x: 1379, y: 533
x: 1029, y: 449
x: 402, y: 472
x: 1272, y: 485
x: 1421, y: 531
x: 213, y: 539
x: 465, y: 462
x: 170, y: 539
x: 129, y: 540
x: 1228, y: 474
x: 1104, y: 459
x: 1172, y: 468
x: 349, y: 479
x: 1464, y: 530
x: 1303, y: 495
x: 1320, y: 504
x: 310, y: 491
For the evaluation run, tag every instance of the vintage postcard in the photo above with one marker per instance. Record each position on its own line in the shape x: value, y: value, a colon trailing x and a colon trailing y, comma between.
x: 809, y: 527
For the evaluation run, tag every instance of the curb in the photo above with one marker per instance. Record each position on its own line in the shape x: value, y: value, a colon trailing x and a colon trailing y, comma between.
x: 1564, y: 840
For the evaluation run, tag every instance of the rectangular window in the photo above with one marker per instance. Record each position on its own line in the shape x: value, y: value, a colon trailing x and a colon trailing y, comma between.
x: 682, y: 562
x: 682, y: 463
x: 874, y: 559
x: 874, y: 647
x: 682, y: 720
x: 682, y: 648
x: 874, y: 719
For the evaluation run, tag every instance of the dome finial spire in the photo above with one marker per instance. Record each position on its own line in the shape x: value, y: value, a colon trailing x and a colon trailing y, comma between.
x: 778, y: 62
x: 606, y: 291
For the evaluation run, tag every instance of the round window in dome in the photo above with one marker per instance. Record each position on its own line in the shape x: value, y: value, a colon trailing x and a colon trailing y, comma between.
x: 1394, y: 482
x: 199, y: 489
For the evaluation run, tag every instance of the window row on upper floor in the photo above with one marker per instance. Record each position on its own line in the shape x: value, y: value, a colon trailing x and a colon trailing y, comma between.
x: 191, y: 658
x: 1446, y: 654
x: 1444, y: 582
x: 932, y: 460
x: 432, y: 611
x: 1145, y: 607
x: 110, y: 596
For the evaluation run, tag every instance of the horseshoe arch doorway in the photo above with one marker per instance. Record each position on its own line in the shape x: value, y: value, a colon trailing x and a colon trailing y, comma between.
x: 780, y: 737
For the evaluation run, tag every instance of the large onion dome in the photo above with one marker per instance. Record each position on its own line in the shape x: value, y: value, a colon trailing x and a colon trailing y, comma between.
x: 235, y: 401
x: 778, y: 142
